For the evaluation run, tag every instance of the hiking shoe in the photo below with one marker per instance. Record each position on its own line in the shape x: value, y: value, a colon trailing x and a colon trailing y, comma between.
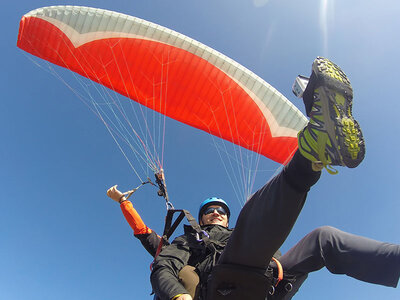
x: 332, y: 136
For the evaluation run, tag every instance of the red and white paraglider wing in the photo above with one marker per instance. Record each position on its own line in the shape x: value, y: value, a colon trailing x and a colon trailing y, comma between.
x: 167, y: 72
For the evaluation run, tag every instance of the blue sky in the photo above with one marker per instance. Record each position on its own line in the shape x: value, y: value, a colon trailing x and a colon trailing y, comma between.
x: 62, y: 238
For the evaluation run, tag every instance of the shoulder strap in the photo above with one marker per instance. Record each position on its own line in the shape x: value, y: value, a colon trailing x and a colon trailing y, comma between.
x: 170, y: 227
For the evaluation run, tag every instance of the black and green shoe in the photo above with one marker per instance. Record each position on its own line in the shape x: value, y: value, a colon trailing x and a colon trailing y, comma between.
x: 332, y: 136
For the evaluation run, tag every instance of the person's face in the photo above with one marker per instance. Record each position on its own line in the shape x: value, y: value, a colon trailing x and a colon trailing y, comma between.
x: 214, y: 217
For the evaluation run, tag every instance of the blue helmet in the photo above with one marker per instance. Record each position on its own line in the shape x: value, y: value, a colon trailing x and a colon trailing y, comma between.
x: 213, y: 201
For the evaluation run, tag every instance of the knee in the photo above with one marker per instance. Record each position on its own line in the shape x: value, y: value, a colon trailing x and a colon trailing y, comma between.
x: 190, y: 280
x: 325, y: 235
x: 333, y: 248
x: 324, y: 232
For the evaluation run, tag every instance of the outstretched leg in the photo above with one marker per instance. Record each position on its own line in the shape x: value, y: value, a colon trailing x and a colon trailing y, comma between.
x: 267, y: 218
x: 344, y: 253
x: 332, y: 137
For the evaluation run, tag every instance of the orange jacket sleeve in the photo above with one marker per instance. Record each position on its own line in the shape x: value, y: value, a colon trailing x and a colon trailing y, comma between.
x: 134, y: 219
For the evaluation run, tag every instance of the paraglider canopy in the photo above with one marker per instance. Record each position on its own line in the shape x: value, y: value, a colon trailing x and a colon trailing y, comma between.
x: 167, y: 72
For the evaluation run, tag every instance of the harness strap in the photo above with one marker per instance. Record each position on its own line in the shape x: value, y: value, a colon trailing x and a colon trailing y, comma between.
x: 170, y: 227
x: 280, y: 271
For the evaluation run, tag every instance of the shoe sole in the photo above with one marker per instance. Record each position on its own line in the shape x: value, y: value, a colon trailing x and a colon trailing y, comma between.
x: 343, y: 130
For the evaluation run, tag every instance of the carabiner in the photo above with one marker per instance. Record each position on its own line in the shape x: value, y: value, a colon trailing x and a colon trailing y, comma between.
x: 198, y: 236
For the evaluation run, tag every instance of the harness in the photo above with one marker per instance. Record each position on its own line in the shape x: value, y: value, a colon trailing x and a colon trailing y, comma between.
x: 228, y: 281
x: 224, y: 281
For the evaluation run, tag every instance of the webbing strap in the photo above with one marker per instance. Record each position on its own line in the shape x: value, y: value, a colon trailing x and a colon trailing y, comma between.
x: 170, y: 227
x: 280, y: 271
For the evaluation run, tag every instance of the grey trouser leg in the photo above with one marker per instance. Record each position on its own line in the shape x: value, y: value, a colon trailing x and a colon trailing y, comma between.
x: 268, y: 217
x: 343, y: 253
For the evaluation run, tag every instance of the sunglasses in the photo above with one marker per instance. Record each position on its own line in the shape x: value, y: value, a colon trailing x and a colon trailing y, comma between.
x: 211, y: 210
